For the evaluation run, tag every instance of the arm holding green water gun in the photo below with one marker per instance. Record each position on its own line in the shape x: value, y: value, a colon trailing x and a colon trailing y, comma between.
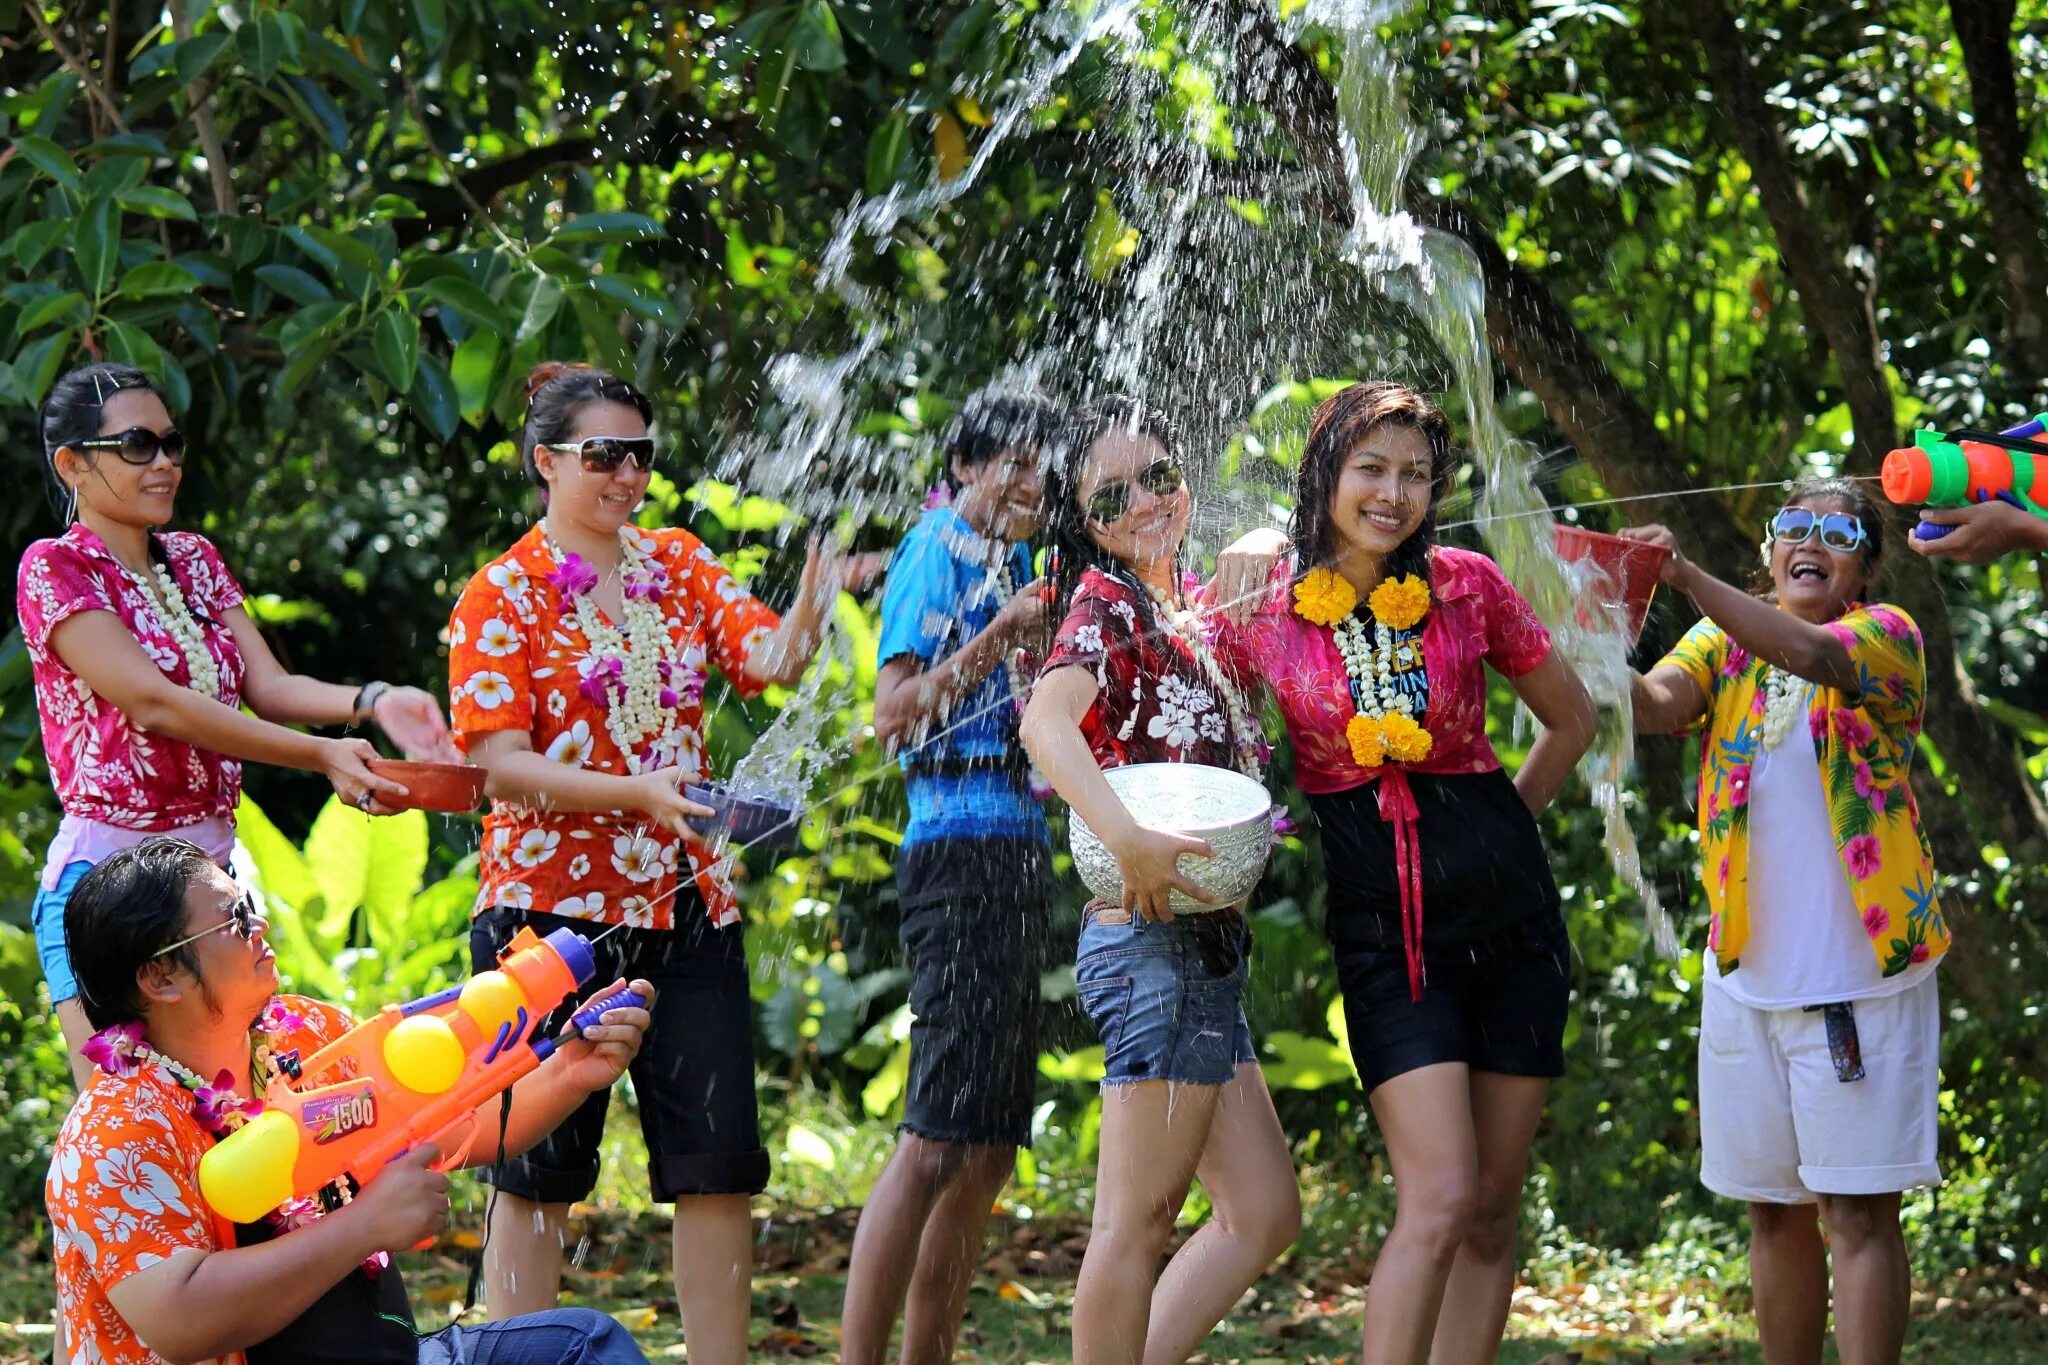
x: 1985, y: 493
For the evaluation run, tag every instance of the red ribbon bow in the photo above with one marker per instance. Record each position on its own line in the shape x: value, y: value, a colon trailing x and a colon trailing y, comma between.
x: 1398, y: 808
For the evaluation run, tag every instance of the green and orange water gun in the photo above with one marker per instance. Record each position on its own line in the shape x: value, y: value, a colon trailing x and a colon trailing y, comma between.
x: 1969, y: 466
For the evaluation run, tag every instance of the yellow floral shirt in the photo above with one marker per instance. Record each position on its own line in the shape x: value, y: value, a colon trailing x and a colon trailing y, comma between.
x: 1865, y: 744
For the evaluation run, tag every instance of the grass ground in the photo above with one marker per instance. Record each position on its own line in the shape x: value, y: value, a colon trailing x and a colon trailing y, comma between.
x: 1684, y: 1301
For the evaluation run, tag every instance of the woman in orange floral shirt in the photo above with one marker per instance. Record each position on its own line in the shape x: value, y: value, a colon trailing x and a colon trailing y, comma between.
x: 577, y: 666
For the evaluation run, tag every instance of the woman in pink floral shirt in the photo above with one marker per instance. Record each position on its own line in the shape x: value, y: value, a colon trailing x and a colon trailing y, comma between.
x: 1442, y: 913
x: 144, y: 657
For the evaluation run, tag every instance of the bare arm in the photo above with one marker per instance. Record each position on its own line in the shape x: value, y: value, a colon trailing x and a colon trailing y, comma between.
x: 1777, y: 637
x: 909, y: 698
x: 99, y: 649
x: 410, y: 717
x: 1148, y: 858
x: 525, y: 778
x: 1665, y: 700
x: 1984, y: 532
x: 1553, y: 691
x: 781, y: 659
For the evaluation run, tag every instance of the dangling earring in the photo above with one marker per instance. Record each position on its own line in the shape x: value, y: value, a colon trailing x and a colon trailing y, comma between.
x: 71, y: 508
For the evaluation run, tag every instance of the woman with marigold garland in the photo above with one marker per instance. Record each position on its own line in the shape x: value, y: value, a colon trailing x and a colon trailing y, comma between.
x: 1443, y: 917
x: 1820, y: 1016
x: 577, y: 664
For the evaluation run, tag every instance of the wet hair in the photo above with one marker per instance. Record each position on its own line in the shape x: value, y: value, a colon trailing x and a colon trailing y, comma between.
x: 556, y: 392
x: 1066, y: 520
x: 121, y: 915
x: 1862, y: 506
x: 990, y: 424
x: 73, y: 413
x: 1341, y: 423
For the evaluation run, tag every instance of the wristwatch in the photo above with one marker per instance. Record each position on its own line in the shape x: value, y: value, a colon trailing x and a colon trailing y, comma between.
x: 366, y: 703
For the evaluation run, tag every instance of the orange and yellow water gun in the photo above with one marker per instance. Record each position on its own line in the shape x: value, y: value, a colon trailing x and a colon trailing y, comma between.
x: 415, y: 1073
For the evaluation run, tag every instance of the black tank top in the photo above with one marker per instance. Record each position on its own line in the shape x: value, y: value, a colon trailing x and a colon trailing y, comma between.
x: 360, y: 1321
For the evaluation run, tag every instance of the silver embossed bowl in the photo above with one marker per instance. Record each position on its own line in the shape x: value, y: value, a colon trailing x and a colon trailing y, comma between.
x: 1228, y: 810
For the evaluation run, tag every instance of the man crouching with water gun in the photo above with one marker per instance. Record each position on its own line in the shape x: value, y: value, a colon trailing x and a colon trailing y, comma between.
x: 174, y: 972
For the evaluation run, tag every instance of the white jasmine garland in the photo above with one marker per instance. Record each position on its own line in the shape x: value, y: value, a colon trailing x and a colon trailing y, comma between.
x: 1369, y: 659
x: 183, y: 627
x: 1785, y: 702
x: 636, y: 716
x: 1187, y: 627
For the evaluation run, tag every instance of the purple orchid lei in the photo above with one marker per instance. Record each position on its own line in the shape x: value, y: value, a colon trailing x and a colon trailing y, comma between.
x: 121, y: 1049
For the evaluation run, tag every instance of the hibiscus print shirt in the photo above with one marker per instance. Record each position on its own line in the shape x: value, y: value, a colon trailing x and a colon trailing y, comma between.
x: 1865, y: 742
x: 1155, y: 705
x: 104, y: 767
x: 517, y: 661
x: 1475, y: 618
x: 123, y: 1189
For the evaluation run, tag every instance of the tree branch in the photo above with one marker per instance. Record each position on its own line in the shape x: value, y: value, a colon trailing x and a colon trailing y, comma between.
x: 2012, y: 204
x: 200, y: 103
x: 76, y: 65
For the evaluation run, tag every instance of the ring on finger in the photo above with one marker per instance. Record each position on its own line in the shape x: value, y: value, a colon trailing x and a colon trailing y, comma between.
x: 363, y: 801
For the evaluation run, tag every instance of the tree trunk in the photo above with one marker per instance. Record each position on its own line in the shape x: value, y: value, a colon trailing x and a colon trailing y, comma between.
x: 2004, y: 806
x: 2012, y: 205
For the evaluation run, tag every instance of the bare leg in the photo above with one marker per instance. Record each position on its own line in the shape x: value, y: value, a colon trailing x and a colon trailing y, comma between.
x: 1788, y: 1275
x: 1873, y: 1284
x: 954, y: 1235
x: 522, y: 1255
x: 1249, y: 1174
x: 714, y: 1262
x: 77, y: 1031
x: 1153, y: 1133
x: 885, y: 1243
x: 1426, y: 1115
x: 1505, y: 1112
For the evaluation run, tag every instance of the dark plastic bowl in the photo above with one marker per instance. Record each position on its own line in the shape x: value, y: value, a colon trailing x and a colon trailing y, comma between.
x: 744, y: 820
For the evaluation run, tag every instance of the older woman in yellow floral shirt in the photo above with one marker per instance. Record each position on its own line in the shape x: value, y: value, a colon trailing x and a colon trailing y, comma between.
x: 1820, y: 1028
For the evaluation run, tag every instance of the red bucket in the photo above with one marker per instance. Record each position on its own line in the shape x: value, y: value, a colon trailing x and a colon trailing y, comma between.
x: 1628, y: 570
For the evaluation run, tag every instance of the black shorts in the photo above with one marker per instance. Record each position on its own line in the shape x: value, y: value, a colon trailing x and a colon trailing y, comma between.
x: 974, y: 937
x: 694, y: 1076
x: 1496, y: 1004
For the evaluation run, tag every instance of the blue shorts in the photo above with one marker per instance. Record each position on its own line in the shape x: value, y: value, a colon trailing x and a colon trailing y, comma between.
x: 1167, y: 999
x: 47, y: 919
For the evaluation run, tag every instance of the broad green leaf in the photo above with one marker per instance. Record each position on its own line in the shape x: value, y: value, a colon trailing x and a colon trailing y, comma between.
x: 326, y: 114
x: 96, y: 243
x: 157, y: 277
x: 311, y: 324
x: 431, y: 16
x: 1303, y: 1063
x: 46, y: 311
x: 113, y: 176
x: 291, y: 32
x: 52, y: 160
x: 158, y: 202
x: 807, y: 1148
x: 878, y: 27
x: 33, y: 242
x: 260, y: 40
x: 394, y: 206
x: 304, y: 360
x: 362, y: 861
x: 294, y: 283
x: 880, y: 1095
x: 37, y: 364
x: 395, y: 340
x: 130, y: 345
x: 196, y: 56
x: 774, y: 72
x: 888, y: 151
x: 541, y: 307
x: 816, y: 38
x: 625, y: 292
x: 433, y: 396
x: 474, y: 367
x: 607, y: 227
x: 964, y: 33
x: 468, y: 302
x: 278, y: 865
x: 739, y: 260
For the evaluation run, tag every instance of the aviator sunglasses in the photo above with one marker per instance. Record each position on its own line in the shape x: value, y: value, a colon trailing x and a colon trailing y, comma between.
x: 139, y: 445
x: 241, y: 918
x: 1839, y: 531
x: 1162, y: 479
x: 604, y: 454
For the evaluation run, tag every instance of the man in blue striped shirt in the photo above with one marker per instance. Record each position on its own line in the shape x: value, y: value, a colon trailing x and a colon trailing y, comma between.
x: 960, y: 618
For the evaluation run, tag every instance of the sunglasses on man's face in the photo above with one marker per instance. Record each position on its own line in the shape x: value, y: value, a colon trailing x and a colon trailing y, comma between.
x: 605, y: 454
x: 1162, y: 479
x: 140, y: 445
x: 241, y: 918
x: 1838, y: 530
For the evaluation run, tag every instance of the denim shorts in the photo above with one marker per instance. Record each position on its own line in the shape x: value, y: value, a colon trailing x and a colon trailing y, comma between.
x: 1167, y: 999
x: 46, y: 917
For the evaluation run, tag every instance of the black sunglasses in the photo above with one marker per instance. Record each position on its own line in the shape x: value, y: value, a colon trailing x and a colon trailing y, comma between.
x: 241, y: 918
x: 140, y: 445
x: 1838, y: 530
x: 604, y: 454
x: 1162, y: 478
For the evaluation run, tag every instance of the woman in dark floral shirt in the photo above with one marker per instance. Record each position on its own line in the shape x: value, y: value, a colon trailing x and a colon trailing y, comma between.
x: 1130, y: 680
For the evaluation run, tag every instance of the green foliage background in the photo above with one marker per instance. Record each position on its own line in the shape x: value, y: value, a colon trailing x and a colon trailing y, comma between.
x: 340, y: 232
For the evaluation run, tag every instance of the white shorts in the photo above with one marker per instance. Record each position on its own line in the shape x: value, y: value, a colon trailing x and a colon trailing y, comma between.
x: 1778, y: 1127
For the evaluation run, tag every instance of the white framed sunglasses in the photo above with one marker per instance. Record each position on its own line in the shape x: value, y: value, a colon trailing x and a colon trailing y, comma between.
x: 1839, y: 531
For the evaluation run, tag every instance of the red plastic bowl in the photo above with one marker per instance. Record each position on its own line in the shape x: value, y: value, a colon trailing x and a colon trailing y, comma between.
x: 1628, y: 570
x: 431, y: 786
